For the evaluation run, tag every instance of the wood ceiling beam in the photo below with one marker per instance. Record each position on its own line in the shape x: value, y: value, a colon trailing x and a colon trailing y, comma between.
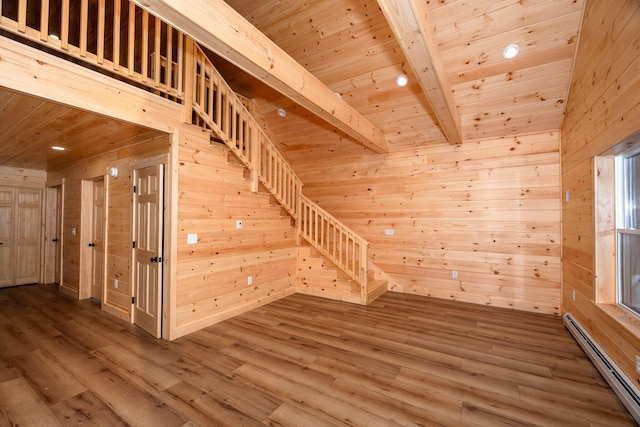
x: 409, y: 20
x: 220, y: 28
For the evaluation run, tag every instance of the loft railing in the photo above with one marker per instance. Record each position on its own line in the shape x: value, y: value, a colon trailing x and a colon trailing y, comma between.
x: 115, y: 35
x: 216, y: 107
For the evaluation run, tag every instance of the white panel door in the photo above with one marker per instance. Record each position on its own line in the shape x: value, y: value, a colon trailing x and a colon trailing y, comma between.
x: 147, y: 254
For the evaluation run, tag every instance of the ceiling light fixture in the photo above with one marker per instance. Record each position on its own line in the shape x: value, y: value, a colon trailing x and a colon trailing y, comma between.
x: 511, y: 51
x: 282, y: 112
x: 57, y: 148
x: 402, y: 80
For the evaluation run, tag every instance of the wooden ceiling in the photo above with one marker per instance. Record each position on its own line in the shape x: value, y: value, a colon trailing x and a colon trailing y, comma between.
x: 30, y: 126
x: 350, y: 46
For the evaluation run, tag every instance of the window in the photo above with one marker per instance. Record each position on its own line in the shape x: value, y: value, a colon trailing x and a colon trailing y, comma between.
x: 628, y: 230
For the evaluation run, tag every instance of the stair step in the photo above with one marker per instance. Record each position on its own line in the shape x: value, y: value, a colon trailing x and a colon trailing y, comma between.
x: 376, y: 288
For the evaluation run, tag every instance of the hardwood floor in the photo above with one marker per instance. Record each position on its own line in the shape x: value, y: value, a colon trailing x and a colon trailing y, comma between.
x: 301, y: 361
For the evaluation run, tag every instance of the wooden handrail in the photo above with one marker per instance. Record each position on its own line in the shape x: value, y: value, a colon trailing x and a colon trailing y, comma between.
x: 119, y: 39
x: 218, y: 109
x: 339, y: 243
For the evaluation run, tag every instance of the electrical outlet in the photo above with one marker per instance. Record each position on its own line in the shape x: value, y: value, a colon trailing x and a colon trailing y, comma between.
x: 567, y: 195
x: 638, y: 364
x: 192, y: 238
x: 250, y: 280
x: 238, y: 225
x: 454, y: 274
x: 573, y: 294
x: 115, y: 283
x: 388, y: 232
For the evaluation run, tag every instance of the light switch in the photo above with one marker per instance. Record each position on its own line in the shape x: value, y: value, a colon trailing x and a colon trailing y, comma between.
x: 388, y: 232
x: 192, y: 239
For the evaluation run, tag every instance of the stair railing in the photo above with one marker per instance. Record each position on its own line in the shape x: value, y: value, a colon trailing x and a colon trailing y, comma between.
x: 212, y: 104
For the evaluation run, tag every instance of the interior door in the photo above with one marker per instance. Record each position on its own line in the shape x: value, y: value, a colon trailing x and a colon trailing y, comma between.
x: 147, y: 252
x: 6, y: 236
x: 98, y: 240
x: 52, y: 241
x: 28, y: 211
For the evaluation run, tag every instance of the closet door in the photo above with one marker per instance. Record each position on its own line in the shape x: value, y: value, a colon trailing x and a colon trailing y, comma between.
x: 20, y: 218
x: 7, y: 196
x: 28, y: 216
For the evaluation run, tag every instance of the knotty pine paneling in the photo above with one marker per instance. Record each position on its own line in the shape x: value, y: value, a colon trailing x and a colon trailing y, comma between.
x: 212, y: 274
x: 603, y: 108
x: 489, y: 210
x: 119, y: 224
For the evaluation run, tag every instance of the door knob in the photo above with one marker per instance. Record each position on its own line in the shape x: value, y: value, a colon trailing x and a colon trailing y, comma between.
x: 92, y: 244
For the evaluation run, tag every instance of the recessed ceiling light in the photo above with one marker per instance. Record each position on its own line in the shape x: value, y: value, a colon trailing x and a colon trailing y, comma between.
x: 282, y: 112
x: 55, y: 147
x: 511, y: 51
x: 402, y: 80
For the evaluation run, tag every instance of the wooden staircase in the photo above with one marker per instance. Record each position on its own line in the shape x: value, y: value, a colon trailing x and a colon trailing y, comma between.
x: 318, y: 276
x: 212, y: 105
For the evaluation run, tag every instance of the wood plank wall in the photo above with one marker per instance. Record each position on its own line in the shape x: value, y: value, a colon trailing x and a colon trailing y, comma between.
x: 214, y: 193
x: 488, y: 209
x: 119, y: 224
x: 603, y: 109
x: 25, y: 178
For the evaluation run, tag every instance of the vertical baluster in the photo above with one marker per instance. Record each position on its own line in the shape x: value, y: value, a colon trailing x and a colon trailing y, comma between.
x: 84, y: 17
x: 211, y: 93
x: 354, y: 257
x: 169, y: 68
x: 234, y: 120
x: 64, y: 25
x: 144, y: 55
x: 100, y: 36
x: 180, y: 60
x: 157, y: 52
x: 131, y: 39
x: 44, y: 19
x: 202, y: 82
x: 117, y: 9
x: 22, y: 16
x: 218, y: 119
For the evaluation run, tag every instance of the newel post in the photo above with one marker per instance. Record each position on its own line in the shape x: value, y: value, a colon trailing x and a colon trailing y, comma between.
x: 189, y: 79
x: 255, y: 142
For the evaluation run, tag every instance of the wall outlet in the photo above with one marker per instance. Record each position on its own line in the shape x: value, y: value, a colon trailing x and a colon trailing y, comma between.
x: 638, y: 364
x: 192, y: 238
x: 115, y: 283
x: 454, y: 274
x: 567, y: 195
x: 74, y: 231
x: 250, y: 280
x: 388, y: 232
x: 238, y: 225
x: 573, y: 294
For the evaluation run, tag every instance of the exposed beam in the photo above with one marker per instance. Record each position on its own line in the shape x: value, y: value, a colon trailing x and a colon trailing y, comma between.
x: 409, y: 20
x: 220, y: 28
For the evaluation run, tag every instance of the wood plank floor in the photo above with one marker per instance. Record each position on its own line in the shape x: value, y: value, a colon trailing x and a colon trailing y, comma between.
x: 301, y: 361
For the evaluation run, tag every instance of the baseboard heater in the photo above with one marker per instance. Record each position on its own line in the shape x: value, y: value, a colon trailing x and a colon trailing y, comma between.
x: 626, y: 391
